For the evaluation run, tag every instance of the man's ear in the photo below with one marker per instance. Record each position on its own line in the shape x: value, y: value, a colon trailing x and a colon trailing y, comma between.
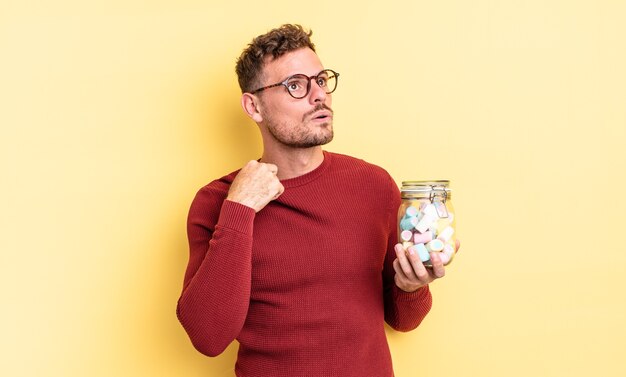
x: 252, y: 107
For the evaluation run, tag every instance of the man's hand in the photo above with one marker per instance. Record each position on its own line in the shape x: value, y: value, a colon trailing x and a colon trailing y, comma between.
x: 411, y: 274
x: 255, y: 185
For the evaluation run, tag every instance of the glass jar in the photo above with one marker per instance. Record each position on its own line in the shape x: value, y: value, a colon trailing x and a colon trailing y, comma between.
x: 426, y: 219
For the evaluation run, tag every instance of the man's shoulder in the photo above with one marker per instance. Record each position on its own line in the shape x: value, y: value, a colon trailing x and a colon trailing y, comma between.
x: 371, y: 181
x: 345, y: 162
x: 216, y: 190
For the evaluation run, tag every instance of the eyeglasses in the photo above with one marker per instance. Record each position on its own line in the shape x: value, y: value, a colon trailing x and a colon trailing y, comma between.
x: 299, y: 85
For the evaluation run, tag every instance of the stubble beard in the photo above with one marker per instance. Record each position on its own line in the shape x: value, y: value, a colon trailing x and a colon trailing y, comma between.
x: 302, y: 135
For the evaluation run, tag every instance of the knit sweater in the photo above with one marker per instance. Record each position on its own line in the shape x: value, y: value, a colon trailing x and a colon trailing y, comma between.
x: 306, y: 284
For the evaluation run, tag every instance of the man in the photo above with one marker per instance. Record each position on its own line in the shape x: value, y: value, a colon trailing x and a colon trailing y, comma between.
x: 296, y: 255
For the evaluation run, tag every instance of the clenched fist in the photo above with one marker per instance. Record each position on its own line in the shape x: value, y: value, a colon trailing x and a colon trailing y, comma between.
x: 255, y: 185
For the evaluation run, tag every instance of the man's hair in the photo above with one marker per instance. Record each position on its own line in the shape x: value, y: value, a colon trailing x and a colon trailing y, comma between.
x: 276, y: 43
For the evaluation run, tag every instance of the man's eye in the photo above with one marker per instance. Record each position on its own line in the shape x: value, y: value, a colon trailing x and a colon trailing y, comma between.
x: 294, y: 85
x: 321, y: 81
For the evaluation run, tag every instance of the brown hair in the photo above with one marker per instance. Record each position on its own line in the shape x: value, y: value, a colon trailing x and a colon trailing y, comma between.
x: 276, y: 43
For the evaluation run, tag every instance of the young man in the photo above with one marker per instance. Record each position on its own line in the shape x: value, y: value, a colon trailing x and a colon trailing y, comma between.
x: 295, y: 255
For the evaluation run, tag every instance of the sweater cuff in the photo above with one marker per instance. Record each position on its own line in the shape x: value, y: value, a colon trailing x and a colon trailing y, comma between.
x: 236, y: 216
x: 419, y: 295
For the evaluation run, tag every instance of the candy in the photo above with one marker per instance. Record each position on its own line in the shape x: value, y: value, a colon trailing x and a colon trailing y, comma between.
x: 422, y: 252
x: 441, y: 208
x: 423, y: 237
x: 447, y: 254
x: 431, y: 211
x: 446, y: 234
x: 412, y: 211
x: 428, y: 227
x: 445, y: 258
x: 434, y: 229
x: 425, y: 223
x: 435, y: 245
x: 406, y: 235
x: 408, y: 223
x: 443, y: 223
x: 448, y: 249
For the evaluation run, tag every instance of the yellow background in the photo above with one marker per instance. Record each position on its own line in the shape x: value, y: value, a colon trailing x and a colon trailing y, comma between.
x: 114, y: 113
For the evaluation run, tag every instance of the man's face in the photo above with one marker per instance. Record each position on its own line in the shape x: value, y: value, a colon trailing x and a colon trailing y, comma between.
x: 298, y: 123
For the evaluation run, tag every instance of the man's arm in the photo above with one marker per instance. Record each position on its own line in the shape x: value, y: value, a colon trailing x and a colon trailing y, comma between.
x: 216, y: 292
x: 213, y: 305
x: 406, y: 295
x: 404, y: 311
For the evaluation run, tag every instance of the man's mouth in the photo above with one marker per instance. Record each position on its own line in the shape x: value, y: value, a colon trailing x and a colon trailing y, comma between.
x: 321, y: 115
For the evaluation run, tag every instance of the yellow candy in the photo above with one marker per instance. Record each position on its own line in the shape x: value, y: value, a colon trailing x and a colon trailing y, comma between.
x: 442, y: 224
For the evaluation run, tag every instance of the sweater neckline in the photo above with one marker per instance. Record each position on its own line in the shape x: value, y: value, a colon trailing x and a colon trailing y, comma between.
x: 310, y: 176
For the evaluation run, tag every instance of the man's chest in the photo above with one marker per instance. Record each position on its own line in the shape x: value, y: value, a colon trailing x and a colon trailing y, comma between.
x: 308, y: 244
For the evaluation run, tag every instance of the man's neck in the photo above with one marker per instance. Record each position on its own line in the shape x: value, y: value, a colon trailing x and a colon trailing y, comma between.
x: 293, y: 163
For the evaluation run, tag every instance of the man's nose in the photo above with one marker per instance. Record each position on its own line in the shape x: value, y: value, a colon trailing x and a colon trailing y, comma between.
x: 318, y: 94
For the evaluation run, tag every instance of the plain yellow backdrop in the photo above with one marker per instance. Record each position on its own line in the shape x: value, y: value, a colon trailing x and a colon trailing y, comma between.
x: 114, y: 113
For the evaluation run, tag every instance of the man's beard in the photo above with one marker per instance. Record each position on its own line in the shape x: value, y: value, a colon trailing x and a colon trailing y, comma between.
x: 301, y: 135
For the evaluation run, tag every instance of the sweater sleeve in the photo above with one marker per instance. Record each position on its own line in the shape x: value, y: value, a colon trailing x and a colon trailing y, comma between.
x: 404, y: 311
x: 216, y: 291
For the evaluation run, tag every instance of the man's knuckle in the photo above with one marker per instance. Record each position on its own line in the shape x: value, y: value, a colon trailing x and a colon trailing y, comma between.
x: 422, y: 275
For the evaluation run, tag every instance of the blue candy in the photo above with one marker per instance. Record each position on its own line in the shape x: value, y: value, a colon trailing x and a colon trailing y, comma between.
x: 406, y: 224
x: 422, y: 252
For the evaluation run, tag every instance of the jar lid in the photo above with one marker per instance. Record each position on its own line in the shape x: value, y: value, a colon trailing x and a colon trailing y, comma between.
x: 426, y: 188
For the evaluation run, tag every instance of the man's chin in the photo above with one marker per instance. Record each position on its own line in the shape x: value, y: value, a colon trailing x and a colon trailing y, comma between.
x: 327, y: 138
x: 316, y: 142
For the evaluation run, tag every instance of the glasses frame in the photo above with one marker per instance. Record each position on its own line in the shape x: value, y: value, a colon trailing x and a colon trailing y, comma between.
x: 308, y: 85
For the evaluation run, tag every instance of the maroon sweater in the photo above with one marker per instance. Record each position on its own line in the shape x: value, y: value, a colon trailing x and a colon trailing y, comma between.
x: 306, y: 284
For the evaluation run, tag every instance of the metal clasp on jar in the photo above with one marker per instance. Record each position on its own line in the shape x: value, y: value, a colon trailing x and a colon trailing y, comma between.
x: 438, y: 196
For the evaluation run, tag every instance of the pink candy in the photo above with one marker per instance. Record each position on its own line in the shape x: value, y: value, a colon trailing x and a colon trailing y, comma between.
x: 423, y: 237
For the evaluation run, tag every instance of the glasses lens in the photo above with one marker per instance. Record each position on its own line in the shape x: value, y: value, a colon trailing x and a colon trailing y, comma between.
x: 327, y: 80
x: 297, y: 86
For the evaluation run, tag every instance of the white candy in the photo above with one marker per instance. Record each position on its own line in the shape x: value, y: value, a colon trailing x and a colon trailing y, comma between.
x: 447, y: 254
x: 446, y: 234
x: 431, y: 211
x: 448, y: 249
x: 425, y: 223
